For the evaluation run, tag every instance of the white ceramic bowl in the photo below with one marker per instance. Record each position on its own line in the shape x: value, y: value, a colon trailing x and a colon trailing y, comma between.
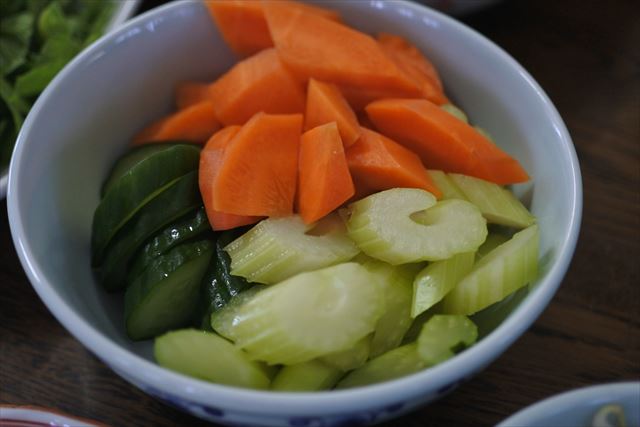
x: 578, y: 407
x: 86, y: 118
x: 123, y: 11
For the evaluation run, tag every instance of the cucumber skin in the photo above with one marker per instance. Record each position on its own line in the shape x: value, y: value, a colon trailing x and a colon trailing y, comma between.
x: 179, y: 232
x: 135, y: 189
x: 182, y: 197
x: 190, y: 255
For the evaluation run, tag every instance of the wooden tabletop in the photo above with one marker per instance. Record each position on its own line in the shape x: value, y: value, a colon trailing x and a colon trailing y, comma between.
x: 586, y: 55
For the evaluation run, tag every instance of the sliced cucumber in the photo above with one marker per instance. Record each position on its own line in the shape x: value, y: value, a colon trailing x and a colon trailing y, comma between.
x: 443, y: 335
x: 165, y: 296
x: 396, y: 283
x: 504, y: 270
x: 493, y: 241
x: 352, y: 358
x: 223, y: 320
x: 189, y: 227
x: 497, y: 204
x: 129, y: 160
x: 278, y: 248
x: 309, y: 315
x: 142, y: 183
x: 307, y: 376
x: 399, y: 362
x: 181, y: 197
x: 448, y: 188
x: 455, y: 112
x: 404, y: 225
x: 206, y: 356
x: 437, y: 279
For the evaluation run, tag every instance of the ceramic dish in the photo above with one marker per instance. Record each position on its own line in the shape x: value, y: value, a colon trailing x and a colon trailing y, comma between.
x: 88, y: 114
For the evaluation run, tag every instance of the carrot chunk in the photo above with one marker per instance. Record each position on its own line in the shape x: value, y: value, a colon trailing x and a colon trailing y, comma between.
x: 444, y: 142
x: 324, y: 182
x: 325, y: 104
x: 191, y: 93
x: 195, y: 123
x: 259, y: 83
x: 259, y: 172
x: 376, y: 162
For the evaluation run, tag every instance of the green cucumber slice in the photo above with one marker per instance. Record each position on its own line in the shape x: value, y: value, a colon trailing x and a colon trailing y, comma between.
x: 177, y: 200
x: 309, y: 315
x: 497, y: 204
x: 278, y: 248
x: 187, y: 228
x: 443, y: 335
x: 399, y: 362
x: 504, y: 270
x: 307, y: 376
x: 437, y: 279
x: 206, y: 356
x: 405, y: 225
x: 129, y: 160
x: 144, y: 181
x: 165, y: 296
x: 446, y: 186
x: 352, y: 358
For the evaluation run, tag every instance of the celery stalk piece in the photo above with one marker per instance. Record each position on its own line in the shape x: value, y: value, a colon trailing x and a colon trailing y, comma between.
x: 448, y: 188
x: 405, y: 225
x: 455, y: 112
x: 306, y: 376
x: 497, y: 204
x: 349, y: 359
x: 278, y: 248
x: 436, y: 280
x: 443, y: 335
x: 502, y: 271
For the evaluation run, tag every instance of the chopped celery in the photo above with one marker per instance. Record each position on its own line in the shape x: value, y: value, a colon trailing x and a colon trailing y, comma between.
x: 497, y: 204
x: 209, y: 357
x: 223, y: 320
x: 405, y: 225
x: 493, y: 241
x: 443, y: 335
x: 399, y: 362
x: 309, y: 315
x: 448, y: 188
x: 437, y: 279
x: 505, y: 269
x: 455, y: 112
x: 307, y: 376
x: 279, y: 248
x: 351, y: 358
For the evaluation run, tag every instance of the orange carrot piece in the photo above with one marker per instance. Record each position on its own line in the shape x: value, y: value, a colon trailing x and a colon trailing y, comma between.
x: 195, y: 123
x: 377, y: 162
x: 260, y: 167
x: 211, y: 158
x: 329, y: 51
x: 415, y: 65
x: 325, y: 104
x: 191, y: 93
x: 324, y: 182
x: 243, y: 25
x: 444, y: 142
x: 259, y: 83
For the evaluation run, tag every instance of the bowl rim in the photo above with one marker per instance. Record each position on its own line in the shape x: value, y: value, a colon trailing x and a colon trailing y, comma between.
x: 141, y: 371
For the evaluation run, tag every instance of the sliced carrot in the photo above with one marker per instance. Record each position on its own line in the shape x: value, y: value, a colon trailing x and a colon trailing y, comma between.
x: 211, y: 158
x: 259, y: 83
x: 324, y: 182
x: 358, y: 98
x: 260, y: 167
x: 378, y: 163
x: 244, y: 27
x: 195, y: 123
x: 325, y: 104
x: 329, y: 51
x: 444, y: 142
x: 191, y: 93
x: 415, y: 65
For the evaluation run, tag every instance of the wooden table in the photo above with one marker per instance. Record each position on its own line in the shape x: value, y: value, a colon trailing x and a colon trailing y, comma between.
x: 586, y: 55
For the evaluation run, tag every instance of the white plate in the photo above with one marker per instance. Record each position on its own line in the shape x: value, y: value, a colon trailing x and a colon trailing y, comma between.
x: 576, y: 408
x: 33, y: 416
x: 124, y: 10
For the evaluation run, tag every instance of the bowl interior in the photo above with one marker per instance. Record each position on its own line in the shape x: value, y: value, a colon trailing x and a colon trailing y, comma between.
x: 87, y: 117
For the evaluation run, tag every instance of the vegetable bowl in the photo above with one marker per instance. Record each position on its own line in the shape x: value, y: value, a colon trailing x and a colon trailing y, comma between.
x: 87, y: 117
